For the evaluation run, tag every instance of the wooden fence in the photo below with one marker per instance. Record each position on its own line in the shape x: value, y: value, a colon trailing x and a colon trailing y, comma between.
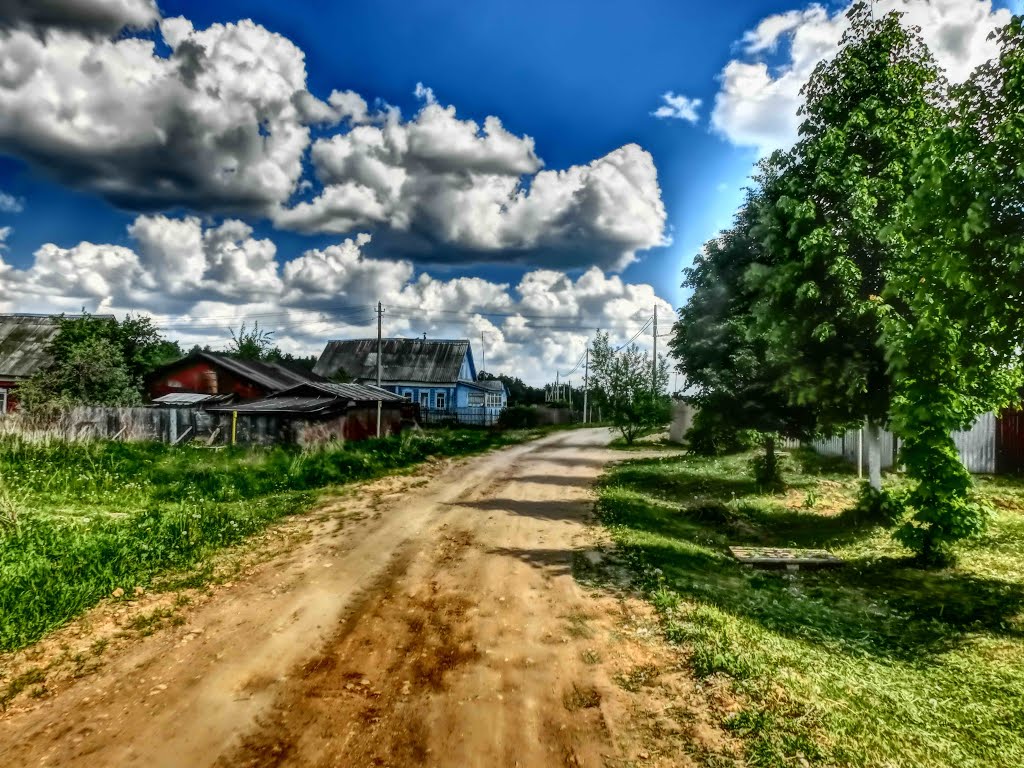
x: 176, y: 425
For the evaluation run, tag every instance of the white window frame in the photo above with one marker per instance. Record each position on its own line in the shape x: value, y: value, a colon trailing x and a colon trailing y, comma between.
x: 494, y: 400
x: 407, y: 394
x: 440, y: 400
x: 3, y: 401
x: 477, y: 399
x: 424, y: 399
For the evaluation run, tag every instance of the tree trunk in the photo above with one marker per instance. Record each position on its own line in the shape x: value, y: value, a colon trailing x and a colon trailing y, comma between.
x: 873, y: 435
x: 771, y: 460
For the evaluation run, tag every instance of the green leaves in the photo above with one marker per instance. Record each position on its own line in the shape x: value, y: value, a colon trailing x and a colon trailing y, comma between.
x: 876, y: 268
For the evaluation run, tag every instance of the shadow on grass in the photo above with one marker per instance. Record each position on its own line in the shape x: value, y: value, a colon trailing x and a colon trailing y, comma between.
x: 881, y: 607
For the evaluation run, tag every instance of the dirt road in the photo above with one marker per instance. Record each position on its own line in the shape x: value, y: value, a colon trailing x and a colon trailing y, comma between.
x: 426, y: 621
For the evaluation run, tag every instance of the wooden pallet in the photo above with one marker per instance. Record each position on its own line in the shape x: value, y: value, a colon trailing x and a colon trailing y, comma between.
x: 785, y: 557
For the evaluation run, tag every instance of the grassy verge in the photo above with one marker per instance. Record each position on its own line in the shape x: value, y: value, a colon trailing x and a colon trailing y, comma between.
x: 876, y: 664
x: 81, y: 520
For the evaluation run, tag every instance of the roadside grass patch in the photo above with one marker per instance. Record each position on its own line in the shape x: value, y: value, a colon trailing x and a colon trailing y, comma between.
x: 80, y: 521
x: 878, y: 663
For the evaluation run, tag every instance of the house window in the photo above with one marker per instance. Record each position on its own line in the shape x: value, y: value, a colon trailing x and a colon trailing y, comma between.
x: 3, y: 401
x: 424, y: 399
x: 439, y: 399
x: 476, y: 399
x: 494, y: 400
x: 407, y: 394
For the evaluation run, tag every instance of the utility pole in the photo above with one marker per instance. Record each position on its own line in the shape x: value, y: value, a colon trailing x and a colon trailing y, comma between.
x: 483, y: 353
x: 654, y: 365
x: 558, y: 389
x: 586, y: 382
x: 380, y: 349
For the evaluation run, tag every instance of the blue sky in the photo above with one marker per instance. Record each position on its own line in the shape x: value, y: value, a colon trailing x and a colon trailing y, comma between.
x: 581, y: 79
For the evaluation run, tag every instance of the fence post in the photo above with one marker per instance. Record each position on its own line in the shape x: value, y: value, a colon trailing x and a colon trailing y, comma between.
x: 234, y: 426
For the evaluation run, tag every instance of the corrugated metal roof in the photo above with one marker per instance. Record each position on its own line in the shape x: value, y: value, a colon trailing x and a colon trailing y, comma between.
x: 357, y: 392
x: 426, y: 360
x: 286, y: 404
x: 192, y: 398
x: 313, y: 397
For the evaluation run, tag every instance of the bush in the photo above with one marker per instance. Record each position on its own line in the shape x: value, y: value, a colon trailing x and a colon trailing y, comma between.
x: 768, y: 466
x: 712, y: 436
x: 883, y: 507
x: 520, y: 417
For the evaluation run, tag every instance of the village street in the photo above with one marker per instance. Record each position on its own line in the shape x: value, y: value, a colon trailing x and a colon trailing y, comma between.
x: 428, y: 620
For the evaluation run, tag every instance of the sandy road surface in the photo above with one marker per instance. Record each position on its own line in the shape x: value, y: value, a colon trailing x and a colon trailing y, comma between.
x: 447, y: 629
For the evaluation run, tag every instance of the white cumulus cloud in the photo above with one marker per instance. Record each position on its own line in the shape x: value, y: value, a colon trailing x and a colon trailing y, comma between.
x: 678, y: 107
x: 757, y: 103
x: 450, y: 186
x: 198, y: 281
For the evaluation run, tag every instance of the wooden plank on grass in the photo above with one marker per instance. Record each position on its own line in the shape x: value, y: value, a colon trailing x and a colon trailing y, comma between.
x: 785, y: 557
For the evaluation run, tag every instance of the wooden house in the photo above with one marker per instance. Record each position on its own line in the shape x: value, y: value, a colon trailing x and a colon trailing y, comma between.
x: 437, y: 375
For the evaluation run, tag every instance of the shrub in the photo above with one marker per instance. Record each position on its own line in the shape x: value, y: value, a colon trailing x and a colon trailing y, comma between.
x: 520, y: 417
x: 711, y: 436
x: 884, y: 507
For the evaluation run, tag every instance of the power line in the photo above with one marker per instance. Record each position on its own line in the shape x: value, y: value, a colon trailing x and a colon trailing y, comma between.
x: 576, y: 367
x: 635, y: 335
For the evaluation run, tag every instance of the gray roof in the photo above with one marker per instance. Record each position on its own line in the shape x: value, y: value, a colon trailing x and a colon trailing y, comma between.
x: 23, y: 342
x: 492, y: 385
x: 421, y: 360
x: 313, y: 397
x: 192, y: 398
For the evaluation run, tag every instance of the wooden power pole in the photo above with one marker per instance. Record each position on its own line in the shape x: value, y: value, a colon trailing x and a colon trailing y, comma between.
x: 586, y: 381
x: 654, y: 365
x: 380, y: 349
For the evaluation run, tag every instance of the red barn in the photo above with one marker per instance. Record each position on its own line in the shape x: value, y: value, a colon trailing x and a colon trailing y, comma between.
x: 213, y: 373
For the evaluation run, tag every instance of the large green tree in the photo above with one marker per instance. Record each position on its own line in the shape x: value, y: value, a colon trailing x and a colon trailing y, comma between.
x: 954, y: 320
x: 97, y: 360
x: 725, y: 358
x: 865, y: 113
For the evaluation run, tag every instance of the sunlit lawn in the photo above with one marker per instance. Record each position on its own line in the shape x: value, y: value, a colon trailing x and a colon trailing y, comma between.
x: 879, y: 663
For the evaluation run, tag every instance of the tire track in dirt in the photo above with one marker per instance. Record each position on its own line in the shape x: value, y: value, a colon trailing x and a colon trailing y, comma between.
x: 446, y: 629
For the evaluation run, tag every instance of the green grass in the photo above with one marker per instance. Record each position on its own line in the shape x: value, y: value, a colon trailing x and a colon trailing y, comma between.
x: 879, y: 663
x: 79, y: 520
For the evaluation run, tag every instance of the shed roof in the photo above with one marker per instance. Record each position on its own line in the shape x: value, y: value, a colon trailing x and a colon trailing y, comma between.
x: 192, y: 398
x: 273, y: 377
x: 314, y: 397
x: 24, y: 339
x: 425, y: 360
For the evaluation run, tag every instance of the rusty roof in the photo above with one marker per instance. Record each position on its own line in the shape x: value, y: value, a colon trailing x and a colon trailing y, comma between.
x: 421, y: 360
x: 23, y: 343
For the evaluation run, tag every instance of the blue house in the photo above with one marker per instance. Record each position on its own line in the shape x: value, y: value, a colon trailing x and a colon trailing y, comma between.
x: 439, y: 375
